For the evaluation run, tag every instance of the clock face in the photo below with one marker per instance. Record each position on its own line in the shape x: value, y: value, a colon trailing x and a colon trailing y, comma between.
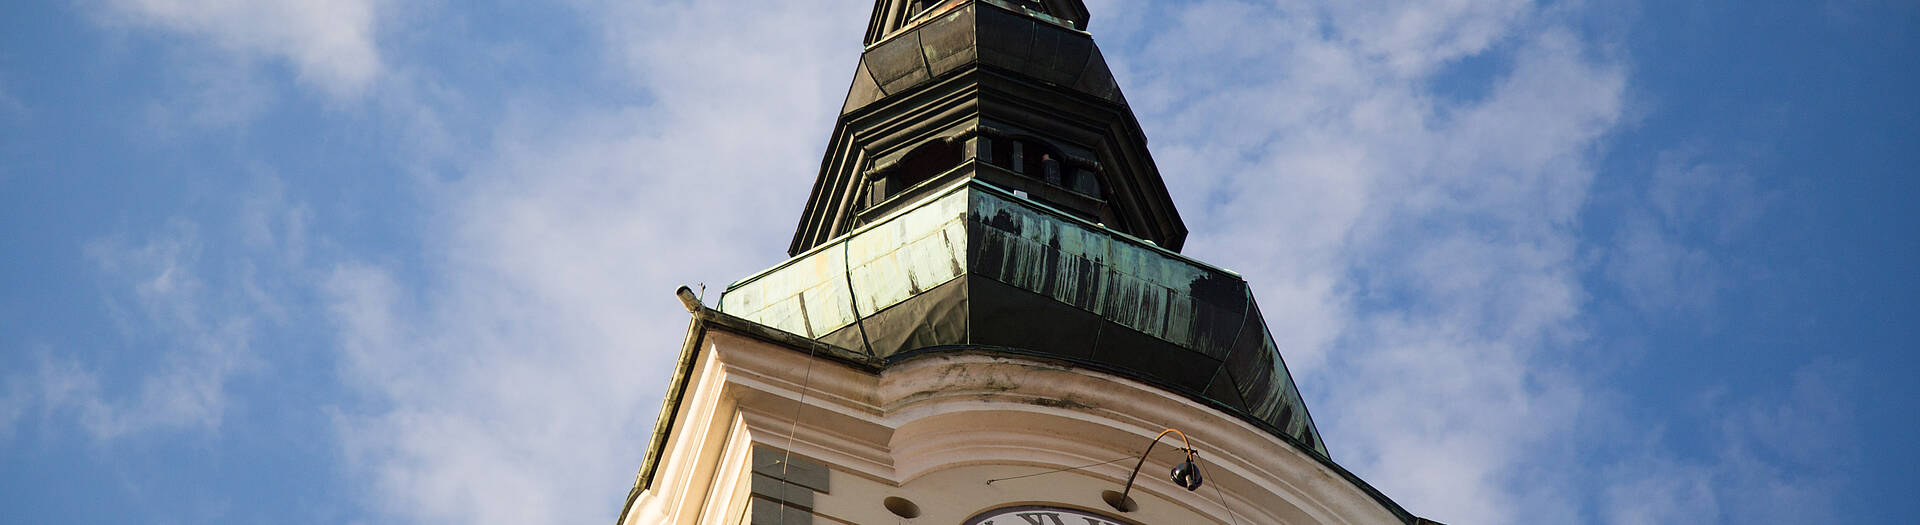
x: 1039, y: 515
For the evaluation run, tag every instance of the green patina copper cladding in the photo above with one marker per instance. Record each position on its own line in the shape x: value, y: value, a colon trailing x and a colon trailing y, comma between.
x: 1124, y: 281
x: 974, y: 266
x: 815, y: 293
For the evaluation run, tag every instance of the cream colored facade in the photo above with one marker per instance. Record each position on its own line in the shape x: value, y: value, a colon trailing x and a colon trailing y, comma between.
x: 935, y: 428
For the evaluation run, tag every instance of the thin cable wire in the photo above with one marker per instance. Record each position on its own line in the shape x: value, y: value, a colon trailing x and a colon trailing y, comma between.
x: 1217, y: 494
x: 990, y: 482
x: 806, y: 379
x: 787, y: 459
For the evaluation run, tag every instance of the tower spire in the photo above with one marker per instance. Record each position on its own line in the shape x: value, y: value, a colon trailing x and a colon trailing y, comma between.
x: 986, y: 280
x: 988, y: 186
x: 1011, y: 92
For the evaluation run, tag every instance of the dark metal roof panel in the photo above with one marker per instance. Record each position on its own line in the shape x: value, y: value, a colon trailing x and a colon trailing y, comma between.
x: 974, y: 265
x: 897, y: 65
x: 949, y: 41
x: 864, y: 90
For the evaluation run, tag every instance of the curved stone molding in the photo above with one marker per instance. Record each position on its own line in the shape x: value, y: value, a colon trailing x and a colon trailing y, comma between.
x: 935, y: 428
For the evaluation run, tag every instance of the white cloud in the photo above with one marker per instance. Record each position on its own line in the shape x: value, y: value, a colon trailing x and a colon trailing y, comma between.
x: 1664, y: 254
x: 1414, y: 254
x: 1414, y: 38
x: 51, y: 386
x: 1658, y: 272
x: 516, y: 382
x: 331, y: 43
x: 194, y: 321
x: 209, y: 93
x: 157, y: 291
x: 1749, y: 474
x: 15, y: 399
x: 1657, y: 492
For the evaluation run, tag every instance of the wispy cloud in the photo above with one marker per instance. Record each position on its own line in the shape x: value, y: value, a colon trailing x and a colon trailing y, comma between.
x: 1750, y: 474
x: 26, y: 393
x: 194, y: 319
x: 205, y: 93
x: 156, y: 289
x: 331, y: 43
x: 1414, y: 252
x: 1663, y: 256
x: 1419, y: 253
x: 515, y: 381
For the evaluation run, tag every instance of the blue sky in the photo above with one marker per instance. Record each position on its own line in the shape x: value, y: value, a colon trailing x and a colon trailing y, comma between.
x: 358, y: 261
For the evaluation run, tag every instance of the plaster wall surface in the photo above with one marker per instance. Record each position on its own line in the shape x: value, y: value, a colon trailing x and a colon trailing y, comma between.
x: 936, y: 428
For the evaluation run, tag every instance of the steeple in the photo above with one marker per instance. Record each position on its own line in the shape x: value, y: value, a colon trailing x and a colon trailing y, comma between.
x: 986, y: 286
x: 988, y: 189
x: 1012, y: 92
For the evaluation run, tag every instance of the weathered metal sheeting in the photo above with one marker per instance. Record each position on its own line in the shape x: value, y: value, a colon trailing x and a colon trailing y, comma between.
x: 1192, y: 306
x: 974, y: 265
x: 817, y: 293
x: 807, y: 296
x: 1262, y: 381
x: 1153, y: 291
x: 912, y: 253
x: 997, y: 34
x: 948, y: 42
x: 897, y: 64
x: 864, y: 90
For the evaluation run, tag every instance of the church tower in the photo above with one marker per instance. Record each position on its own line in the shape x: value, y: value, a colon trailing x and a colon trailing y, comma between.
x: 986, y: 319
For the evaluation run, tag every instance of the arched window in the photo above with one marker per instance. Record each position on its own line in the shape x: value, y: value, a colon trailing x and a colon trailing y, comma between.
x: 922, y: 163
x: 932, y: 158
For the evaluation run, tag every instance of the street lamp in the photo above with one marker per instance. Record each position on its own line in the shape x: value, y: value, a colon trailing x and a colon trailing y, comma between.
x: 1186, y: 474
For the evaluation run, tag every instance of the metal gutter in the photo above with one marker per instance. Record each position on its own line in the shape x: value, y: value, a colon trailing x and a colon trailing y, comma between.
x: 676, y: 392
